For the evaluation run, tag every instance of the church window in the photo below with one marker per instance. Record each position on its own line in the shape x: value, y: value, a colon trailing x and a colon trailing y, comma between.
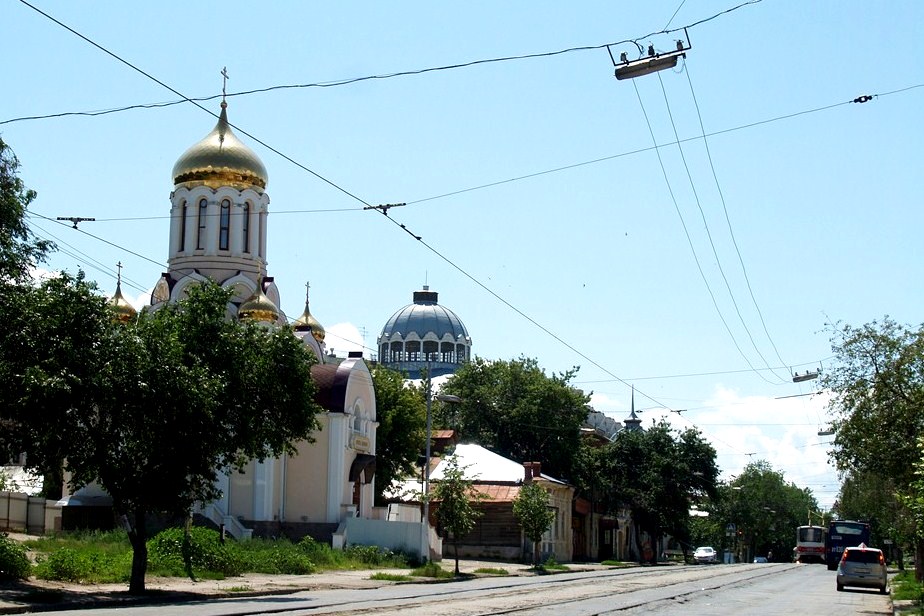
x: 245, y: 227
x: 224, y: 225
x: 182, y: 236
x: 203, y: 219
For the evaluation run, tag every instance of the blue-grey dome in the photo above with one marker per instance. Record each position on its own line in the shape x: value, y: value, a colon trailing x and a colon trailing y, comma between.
x: 424, y: 317
x: 424, y: 332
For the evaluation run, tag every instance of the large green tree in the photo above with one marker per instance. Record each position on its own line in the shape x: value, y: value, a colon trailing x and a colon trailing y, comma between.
x: 765, y: 509
x: 518, y: 411
x: 877, y: 386
x: 659, y: 474
x: 401, y: 413
x: 154, y: 409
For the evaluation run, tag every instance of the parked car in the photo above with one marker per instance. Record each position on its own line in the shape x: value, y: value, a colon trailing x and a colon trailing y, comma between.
x: 761, y: 559
x: 705, y: 554
x: 864, y: 567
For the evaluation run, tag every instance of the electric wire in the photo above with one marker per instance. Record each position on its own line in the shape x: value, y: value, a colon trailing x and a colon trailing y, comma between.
x: 731, y: 231
x: 381, y: 211
x: 686, y: 232
x: 702, y: 213
x: 353, y: 80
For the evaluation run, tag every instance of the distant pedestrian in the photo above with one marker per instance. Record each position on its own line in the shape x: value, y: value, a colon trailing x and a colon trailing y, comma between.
x: 769, y: 556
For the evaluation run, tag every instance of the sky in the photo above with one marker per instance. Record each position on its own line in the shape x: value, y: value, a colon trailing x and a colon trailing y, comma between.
x: 703, y: 273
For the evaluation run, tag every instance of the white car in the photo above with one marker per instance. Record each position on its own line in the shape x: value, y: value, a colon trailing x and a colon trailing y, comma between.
x: 704, y: 554
x: 862, y: 566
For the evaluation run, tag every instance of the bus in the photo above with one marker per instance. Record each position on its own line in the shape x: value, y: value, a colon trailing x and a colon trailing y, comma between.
x: 810, y: 544
x: 844, y: 534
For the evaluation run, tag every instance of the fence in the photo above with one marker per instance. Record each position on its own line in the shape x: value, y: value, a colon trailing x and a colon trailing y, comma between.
x: 31, y: 514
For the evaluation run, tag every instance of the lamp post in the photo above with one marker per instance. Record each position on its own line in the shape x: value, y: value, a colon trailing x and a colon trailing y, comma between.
x: 425, y: 522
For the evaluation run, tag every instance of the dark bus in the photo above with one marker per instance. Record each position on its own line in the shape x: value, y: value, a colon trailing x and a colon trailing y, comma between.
x: 844, y: 534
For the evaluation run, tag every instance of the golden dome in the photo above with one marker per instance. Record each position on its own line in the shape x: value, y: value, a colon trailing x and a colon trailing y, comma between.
x: 307, y: 322
x: 124, y: 311
x: 258, y: 307
x: 220, y: 159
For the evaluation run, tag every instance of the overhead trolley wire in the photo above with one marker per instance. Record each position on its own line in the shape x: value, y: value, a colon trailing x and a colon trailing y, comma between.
x: 349, y: 80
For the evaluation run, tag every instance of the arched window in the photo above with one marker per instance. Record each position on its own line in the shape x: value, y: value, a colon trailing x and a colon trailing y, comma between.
x: 181, y: 245
x: 224, y: 225
x: 203, y: 218
x: 245, y: 227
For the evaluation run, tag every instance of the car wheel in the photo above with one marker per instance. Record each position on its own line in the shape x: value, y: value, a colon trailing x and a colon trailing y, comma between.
x: 840, y: 587
x: 884, y: 590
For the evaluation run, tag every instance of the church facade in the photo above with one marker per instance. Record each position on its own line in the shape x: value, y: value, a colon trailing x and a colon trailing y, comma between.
x: 219, y: 218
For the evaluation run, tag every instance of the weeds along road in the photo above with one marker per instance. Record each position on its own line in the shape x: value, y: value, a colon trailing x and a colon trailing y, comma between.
x: 719, y: 589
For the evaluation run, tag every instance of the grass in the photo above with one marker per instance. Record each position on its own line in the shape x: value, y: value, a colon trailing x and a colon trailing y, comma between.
x: 491, y: 571
x: 390, y: 577
x: 239, y: 589
x: 905, y: 587
x: 432, y: 570
x: 613, y: 563
x: 106, y: 557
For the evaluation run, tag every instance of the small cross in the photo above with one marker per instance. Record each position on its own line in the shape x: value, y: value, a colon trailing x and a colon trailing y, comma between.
x: 307, y: 289
x: 119, y: 276
x: 224, y: 82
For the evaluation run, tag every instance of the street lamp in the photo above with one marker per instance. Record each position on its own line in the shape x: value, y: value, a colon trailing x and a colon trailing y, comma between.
x: 425, y: 521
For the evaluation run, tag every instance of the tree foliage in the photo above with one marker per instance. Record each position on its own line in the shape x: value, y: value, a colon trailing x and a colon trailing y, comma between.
x: 518, y: 411
x: 19, y: 249
x: 456, y: 513
x: 532, y: 511
x: 659, y: 474
x: 154, y: 409
x: 877, y: 386
x: 765, y: 510
x: 401, y: 414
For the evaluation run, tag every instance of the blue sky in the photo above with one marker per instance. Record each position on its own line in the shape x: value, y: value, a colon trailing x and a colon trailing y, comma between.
x: 603, y: 264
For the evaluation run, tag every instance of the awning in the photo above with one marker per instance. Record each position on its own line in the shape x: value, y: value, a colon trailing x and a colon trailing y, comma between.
x: 363, y: 463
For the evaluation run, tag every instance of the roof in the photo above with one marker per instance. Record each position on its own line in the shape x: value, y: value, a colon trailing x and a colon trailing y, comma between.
x: 425, y: 317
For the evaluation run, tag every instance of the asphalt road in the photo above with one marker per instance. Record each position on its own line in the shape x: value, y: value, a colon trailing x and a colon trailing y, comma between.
x: 708, y: 589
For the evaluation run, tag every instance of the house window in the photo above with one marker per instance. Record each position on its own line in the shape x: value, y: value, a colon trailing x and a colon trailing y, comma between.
x: 182, y: 238
x: 203, y: 218
x: 224, y: 225
x: 245, y: 227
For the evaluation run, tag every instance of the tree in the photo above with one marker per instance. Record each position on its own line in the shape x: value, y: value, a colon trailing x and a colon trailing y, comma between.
x: 19, y: 249
x: 659, y: 474
x: 455, y: 513
x: 514, y: 409
x: 531, y: 508
x: 401, y: 414
x: 153, y: 410
x: 877, y: 386
x: 765, y: 509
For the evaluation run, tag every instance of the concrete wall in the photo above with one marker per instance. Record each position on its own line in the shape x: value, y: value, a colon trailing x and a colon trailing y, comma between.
x: 397, y: 536
x: 32, y: 514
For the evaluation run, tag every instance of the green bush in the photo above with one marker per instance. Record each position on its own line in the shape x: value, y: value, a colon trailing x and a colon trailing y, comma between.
x: 14, y: 564
x: 205, y: 551
x: 276, y: 556
x: 374, y: 556
x: 64, y: 565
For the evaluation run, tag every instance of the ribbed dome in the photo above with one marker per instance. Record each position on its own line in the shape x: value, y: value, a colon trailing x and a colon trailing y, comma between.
x: 424, y: 317
x: 221, y: 159
x: 258, y: 307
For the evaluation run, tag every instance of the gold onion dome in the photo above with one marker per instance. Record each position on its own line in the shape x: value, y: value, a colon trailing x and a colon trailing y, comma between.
x: 124, y: 311
x: 307, y: 322
x: 258, y: 307
x: 220, y: 159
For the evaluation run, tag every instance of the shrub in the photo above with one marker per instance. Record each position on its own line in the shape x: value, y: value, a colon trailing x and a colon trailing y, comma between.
x: 205, y: 550
x: 14, y: 564
x: 64, y: 565
x: 374, y: 555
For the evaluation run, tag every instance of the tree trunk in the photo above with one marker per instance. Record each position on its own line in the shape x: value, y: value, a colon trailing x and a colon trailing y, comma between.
x: 455, y: 544
x: 537, y: 552
x: 138, y: 537
x: 918, y: 559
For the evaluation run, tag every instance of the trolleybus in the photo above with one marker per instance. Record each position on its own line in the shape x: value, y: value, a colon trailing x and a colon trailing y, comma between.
x: 844, y: 534
x: 810, y: 544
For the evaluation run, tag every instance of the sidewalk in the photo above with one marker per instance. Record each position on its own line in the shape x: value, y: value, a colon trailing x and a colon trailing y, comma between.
x: 40, y: 596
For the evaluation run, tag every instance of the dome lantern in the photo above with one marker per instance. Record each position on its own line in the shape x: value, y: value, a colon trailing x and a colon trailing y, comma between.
x: 258, y: 307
